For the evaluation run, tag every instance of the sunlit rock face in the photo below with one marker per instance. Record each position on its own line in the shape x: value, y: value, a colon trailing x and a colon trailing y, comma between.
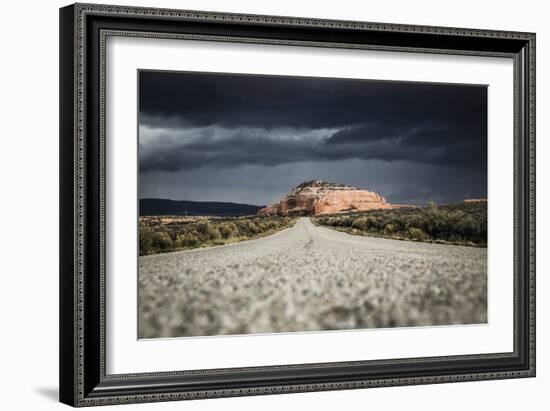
x: 322, y: 197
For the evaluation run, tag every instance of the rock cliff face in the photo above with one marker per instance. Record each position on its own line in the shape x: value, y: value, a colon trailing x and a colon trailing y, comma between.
x: 322, y: 197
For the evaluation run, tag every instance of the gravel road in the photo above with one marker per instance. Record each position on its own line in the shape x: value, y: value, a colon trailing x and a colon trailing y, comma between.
x: 309, y: 278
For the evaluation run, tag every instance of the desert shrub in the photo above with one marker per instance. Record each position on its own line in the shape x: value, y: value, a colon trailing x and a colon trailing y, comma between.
x: 360, y: 223
x: 341, y: 221
x: 333, y: 221
x: 162, y: 241
x: 370, y: 223
x: 246, y: 227
x: 180, y: 240
x: 389, y: 229
x: 228, y: 230
x: 458, y: 223
x: 417, y: 234
x: 192, y: 242
x: 187, y: 240
x: 202, y: 229
x: 269, y: 225
x: 213, y: 233
x: 159, y: 235
x: 151, y: 241
x: 145, y: 240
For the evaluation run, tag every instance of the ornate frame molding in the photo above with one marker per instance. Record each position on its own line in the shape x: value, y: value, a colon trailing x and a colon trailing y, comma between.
x: 83, y: 378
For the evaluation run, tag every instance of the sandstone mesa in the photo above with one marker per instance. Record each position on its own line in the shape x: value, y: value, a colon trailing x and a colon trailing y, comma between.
x: 321, y: 197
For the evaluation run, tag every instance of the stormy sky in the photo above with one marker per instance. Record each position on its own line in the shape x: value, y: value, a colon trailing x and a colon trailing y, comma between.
x: 251, y: 138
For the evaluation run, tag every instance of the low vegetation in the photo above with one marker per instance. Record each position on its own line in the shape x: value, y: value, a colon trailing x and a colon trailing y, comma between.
x: 462, y: 224
x: 172, y: 233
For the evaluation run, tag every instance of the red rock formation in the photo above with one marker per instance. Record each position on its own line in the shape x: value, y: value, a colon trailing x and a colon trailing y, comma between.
x: 321, y: 197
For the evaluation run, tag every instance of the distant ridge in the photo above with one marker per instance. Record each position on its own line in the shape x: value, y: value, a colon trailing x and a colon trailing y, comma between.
x: 159, y: 206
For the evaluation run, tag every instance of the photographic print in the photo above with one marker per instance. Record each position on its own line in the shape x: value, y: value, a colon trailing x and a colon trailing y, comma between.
x: 275, y: 204
x: 311, y: 196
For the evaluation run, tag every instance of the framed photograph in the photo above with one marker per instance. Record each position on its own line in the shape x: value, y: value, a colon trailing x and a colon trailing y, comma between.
x: 261, y: 204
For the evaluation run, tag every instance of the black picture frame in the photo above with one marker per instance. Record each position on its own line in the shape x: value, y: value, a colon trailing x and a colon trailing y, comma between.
x: 83, y: 29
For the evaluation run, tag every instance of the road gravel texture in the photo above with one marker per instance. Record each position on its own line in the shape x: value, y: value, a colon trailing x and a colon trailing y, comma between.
x: 309, y: 278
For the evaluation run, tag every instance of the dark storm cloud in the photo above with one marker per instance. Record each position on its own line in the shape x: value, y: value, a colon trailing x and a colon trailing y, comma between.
x: 431, y: 144
x: 229, y: 148
x: 232, y: 100
x: 226, y: 124
x: 430, y: 123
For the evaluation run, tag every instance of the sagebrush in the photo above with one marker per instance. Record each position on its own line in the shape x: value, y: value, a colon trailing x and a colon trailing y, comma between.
x: 464, y: 224
x: 163, y: 234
